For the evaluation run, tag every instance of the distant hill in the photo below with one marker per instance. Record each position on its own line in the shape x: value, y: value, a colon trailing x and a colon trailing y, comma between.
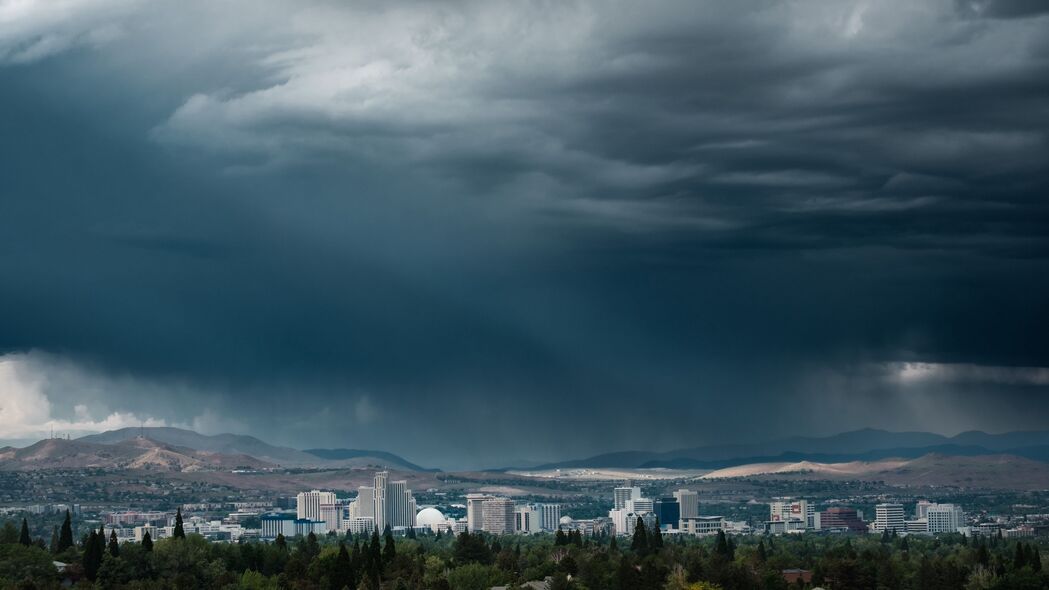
x: 998, y: 471
x: 240, y: 444
x: 136, y: 453
x: 234, y: 444
x: 859, y: 445
x: 349, y: 455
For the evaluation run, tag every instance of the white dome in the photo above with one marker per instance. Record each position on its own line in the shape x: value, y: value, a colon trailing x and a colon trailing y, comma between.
x: 429, y: 517
x: 566, y: 520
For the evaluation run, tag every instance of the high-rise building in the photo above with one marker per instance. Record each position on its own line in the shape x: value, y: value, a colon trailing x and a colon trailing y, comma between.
x: 549, y: 516
x: 308, y: 504
x: 841, y: 518
x: 622, y: 495
x: 386, y: 502
x: 640, y: 505
x: 889, y: 517
x: 475, y: 511
x: 526, y: 519
x: 688, y: 503
x: 498, y: 516
x: 787, y: 509
x: 331, y: 514
x: 921, y: 509
x: 668, y: 511
x: 381, y: 489
x: 945, y: 518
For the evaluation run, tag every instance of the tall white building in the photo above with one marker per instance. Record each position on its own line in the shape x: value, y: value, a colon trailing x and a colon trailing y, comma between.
x: 331, y: 514
x: 944, y: 518
x: 640, y: 505
x: 526, y: 519
x: 921, y: 509
x: 622, y: 495
x: 381, y: 489
x: 688, y: 503
x: 309, y: 503
x: 549, y: 516
x: 475, y: 511
x: 889, y: 517
x: 498, y: 516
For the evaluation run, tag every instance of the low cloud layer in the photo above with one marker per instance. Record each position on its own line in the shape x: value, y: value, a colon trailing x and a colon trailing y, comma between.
x: 451, y: 229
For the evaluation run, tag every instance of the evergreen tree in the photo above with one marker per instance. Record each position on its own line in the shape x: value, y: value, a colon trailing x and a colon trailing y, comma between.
x: 722, y: 548
x: 389, y: 549
x: 1035, y: 557
x: 375, y: 558
x: 23, y: 537
x: 438, y: 537
x: 411, y: 532
x: 65, y: 537
x: 114, y: 547
x: 612, y: 545
x: 559, y: 537
x: 92, y: 559
x: 1019, y: 557
x: 656, y: 540
x: 147, y: 542
x: 179, y: 532
x: 343, y: 574
x: 54, y: 539
x: 281, y: 542
x: 762, y: 555
x: 885, y: 536
x: 640, y: 541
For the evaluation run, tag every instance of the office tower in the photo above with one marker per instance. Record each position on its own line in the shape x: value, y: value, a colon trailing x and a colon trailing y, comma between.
x: 787, y: 509
x: 945, y: 518
x: 308, y: 504
x: 475, y: 511
x: 640, y: 506
x: 381, y: 491
x: 498, y: 516
x: 840, y: 518
x: 331, y: 514
x: 622, y: 495
x: 526, y: 519
x: 921, y: 509
x: 688, y: 503
x: 889, y: 517
x: 549, y: 516
x: 668, y: 511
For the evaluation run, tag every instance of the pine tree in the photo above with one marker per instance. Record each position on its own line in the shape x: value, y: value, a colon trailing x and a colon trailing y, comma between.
x: 438, y: 537
x: 54, y: 539
x: 656, y: 540
x: 93, y: 550
x: 65, y: 537
x: 147, y: 542
x: 24, y: 537
x: 640, y: 541
x: 612, y: 545
x: 281, y: 542
x: 1019, y: 557
x: 375, y: 558
x: 721, y: 547
x: 389, y: 550
x: 343, y: 574
x: 179, y: 532
x: 762, y: 555
x: 559, y: 537
x: 1035, y: 558
x: 114, y: 547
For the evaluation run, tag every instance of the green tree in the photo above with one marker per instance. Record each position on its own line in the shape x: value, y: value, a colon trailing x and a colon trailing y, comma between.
x: 65, y: 536
x: 147, y: 542
x: 114, y: 547
x: 640, y: 541
x: 389, y: 550
x: 179, y: 532
x: 92, y: 558
x: 23, y: 536
x: 656, y: 540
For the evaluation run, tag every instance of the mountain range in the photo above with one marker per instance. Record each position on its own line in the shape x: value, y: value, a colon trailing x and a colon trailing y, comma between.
x: 859, y: 445
x: 177, y: 449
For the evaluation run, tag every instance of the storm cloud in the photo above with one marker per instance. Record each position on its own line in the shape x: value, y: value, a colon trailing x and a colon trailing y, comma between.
x: 469, y: 232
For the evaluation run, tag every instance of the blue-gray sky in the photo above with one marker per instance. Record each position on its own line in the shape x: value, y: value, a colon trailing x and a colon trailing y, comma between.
x: 479, y: 232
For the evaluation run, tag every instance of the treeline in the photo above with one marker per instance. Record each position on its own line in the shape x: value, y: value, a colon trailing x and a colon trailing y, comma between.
x: 648, y: 560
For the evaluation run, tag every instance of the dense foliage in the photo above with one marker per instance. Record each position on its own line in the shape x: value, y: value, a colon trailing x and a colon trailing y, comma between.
x: 647, y: 560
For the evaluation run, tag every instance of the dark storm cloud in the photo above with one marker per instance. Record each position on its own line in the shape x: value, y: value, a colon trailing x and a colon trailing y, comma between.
x: 477, y: 224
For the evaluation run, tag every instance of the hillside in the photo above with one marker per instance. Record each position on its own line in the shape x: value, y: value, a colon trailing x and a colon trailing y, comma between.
x: 141, y: 453
x: 860, y: 445
x: 984, y: 471
x: 239, y: 444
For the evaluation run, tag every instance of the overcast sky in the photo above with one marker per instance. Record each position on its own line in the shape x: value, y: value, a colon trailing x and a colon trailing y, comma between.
x: 474, y: 233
